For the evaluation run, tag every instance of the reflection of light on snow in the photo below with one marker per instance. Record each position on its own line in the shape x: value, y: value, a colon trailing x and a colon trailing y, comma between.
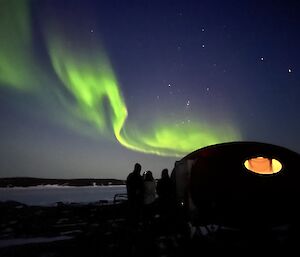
x: 59, y: 186
x: 45, y: 196
x: 54, y: 186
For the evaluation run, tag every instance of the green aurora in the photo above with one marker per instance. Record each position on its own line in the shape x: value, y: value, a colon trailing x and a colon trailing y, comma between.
x: 94, y: 94
x: 18, y: 66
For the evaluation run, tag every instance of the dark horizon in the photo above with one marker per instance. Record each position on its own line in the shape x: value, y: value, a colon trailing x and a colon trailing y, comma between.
x: 9, y: 182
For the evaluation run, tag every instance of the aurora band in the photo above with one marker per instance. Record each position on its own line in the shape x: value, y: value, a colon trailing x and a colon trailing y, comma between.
x: 88, y: 76
x: 16, y: 65
x: 91, y: 84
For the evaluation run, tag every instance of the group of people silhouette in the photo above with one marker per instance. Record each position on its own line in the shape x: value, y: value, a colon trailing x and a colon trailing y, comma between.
x: 148, y: 196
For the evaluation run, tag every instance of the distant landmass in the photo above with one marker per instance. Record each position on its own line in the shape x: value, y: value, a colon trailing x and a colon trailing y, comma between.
x: 29, y: 181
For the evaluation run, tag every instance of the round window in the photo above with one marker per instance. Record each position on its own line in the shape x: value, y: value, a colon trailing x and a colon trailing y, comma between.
x: 263, y: 165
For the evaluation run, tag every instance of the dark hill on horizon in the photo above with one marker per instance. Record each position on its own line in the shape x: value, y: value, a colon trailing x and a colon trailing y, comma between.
x: 31, y: 181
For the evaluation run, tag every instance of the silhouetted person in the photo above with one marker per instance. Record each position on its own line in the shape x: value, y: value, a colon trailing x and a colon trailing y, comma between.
x: 134, y: 186
x: 164, y: 186
x: 166, y: 196
x: 149, y: 195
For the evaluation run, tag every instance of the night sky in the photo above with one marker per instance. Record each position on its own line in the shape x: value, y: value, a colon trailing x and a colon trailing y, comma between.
x: 88, y: 88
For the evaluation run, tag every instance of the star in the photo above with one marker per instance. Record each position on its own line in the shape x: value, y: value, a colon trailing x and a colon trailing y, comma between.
x: 202, y: 29
x: 261, y: 58
x: 188, y: 103
x: 92, y: 31
x: 203, y: 46
x: 290, y: 70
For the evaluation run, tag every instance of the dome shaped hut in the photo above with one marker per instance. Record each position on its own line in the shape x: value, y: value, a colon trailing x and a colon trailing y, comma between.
x: 239, y: 184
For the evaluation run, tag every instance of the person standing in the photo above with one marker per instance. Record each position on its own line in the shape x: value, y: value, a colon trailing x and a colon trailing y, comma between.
x: 166, y: 200
x: 134, y: 187
x: 165, y: 192
x: 164, y: 187
x: 149, y: 196
x: 149, y: 188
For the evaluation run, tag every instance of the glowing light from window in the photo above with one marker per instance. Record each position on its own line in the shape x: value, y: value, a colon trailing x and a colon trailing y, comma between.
x: 262, y: 165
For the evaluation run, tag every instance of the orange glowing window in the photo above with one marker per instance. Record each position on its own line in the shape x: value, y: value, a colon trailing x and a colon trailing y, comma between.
x: 262, y: 165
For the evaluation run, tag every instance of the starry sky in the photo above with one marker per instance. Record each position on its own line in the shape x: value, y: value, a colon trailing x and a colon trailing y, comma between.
x: 88, y: 88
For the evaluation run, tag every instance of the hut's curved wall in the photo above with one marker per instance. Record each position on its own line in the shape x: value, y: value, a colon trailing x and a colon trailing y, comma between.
x: 222, y: 190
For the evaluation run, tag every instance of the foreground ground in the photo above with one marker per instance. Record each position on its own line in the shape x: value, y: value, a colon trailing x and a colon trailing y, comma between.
x: 101, y: 229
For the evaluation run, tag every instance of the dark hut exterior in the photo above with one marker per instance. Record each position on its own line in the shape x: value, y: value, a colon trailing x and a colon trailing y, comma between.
x: 216, y: 187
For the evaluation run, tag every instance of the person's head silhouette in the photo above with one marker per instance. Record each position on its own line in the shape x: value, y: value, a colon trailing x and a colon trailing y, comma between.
x: 149, y: 176
x: 165, y: 173
x: 137, y: 168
